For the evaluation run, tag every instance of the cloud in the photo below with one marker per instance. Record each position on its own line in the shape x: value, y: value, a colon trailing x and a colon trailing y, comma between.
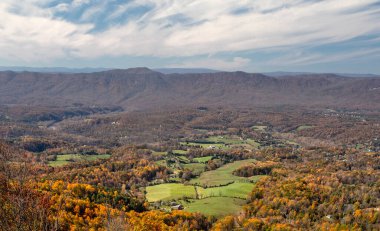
x: 206, y: 27
x: 63, y: 7
x: 38, y: 38
x: 121, y: 9
x: 92, y: 12
x: 78, y: 3
x: 307, y: 58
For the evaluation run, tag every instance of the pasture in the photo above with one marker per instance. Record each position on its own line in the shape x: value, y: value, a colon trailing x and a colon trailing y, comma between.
x: 202, y: 159
x: 215, y: 206
x: 70, y: 158
x: 303, y: 127
x: 215, y: 193
x: 222, y: 175
x: 159, y: 154
x: 235, y: 190
x: 223, y: 143
x: 171, y: 191
x: 179, y: 152
x: 196, y: 168
x: 183, y: 159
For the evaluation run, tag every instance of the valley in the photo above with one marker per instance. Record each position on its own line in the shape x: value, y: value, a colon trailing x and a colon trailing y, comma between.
x: 211, y: 166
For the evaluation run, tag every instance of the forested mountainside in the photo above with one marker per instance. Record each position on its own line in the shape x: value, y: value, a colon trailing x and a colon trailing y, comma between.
x: 142, y: 88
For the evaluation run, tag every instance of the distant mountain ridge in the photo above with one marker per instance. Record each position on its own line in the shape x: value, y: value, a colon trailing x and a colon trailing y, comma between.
x: 284, y: 73
x: 143, y: 88
x: 185, y: 70
x: 53, y: 69
x: 165, y: 71
x: 99, y: 69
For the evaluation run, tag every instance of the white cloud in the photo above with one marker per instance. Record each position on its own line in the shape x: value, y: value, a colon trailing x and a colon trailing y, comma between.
x: 63, y: 7
x: 92, y: 11
x: 210, y: 27
x: 38, y: 38
x: 78, y: 3
x: 302, y: 58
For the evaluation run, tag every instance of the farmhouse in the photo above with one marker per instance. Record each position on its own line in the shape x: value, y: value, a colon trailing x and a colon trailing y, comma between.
x: 177, y: 207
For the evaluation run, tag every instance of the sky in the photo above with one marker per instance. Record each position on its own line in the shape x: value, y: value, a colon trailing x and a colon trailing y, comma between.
x: 249, y: 35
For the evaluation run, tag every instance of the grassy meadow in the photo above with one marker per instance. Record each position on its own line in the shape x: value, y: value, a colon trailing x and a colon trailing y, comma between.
x: 234, y: 190
x: 222, y: 175
x: 202, y: 159
x: 223, y: 143
x: 171, y: 191
x: 196, y: 168
x: 214, y: 206
x: 69, y: 158
x: 215, y: 193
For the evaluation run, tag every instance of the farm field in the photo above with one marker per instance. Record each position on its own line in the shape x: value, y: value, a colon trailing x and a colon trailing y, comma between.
x: 234, y: 190
x: 211, y: 199
x: 171, y: 191
x: 222, y: 175
x: 215, y: 206
x: 160, y: 162
x: 206, y: 144
x: 183, y: 159
x: 158, y: 153
x: 196, y: 168
x: 69, y: 158
x: 223, y: 143
x: 180, y: 152
x: 202, y: 159
x: 303, y: 127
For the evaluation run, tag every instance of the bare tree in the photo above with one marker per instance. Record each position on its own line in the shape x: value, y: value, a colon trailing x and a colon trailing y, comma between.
x: 22, y: 208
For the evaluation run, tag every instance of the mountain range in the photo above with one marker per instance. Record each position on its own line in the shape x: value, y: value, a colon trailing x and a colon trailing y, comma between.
x: 164, y: 71
x: 143, y: 88
x: 94, y: 69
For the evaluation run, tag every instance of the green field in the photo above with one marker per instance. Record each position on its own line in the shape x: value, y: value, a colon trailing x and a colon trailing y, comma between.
x: 303, y: 127
x: 154, y: 153
x: 237, y: 190
x: 215, y: 201
x: 206, y: 145
x: 183, y: 159
x: 196, y: 168
x: 214, y: 206
x: 222, y: 175
x: 180, y: 152
x: 223, y: 143
x: 161, y: 162
x: 202, y: 159
x: 65, y: 159
x: 248, y: 143
x: 170, y: 191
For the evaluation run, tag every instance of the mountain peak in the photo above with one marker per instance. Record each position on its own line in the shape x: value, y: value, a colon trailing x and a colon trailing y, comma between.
x: 139, y: 70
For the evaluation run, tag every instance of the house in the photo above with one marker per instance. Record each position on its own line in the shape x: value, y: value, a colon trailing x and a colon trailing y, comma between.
x: 173, y: 203
x: 177, y: 207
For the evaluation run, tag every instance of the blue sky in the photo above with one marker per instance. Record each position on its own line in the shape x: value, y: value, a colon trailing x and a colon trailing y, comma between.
x: 249, y: 35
